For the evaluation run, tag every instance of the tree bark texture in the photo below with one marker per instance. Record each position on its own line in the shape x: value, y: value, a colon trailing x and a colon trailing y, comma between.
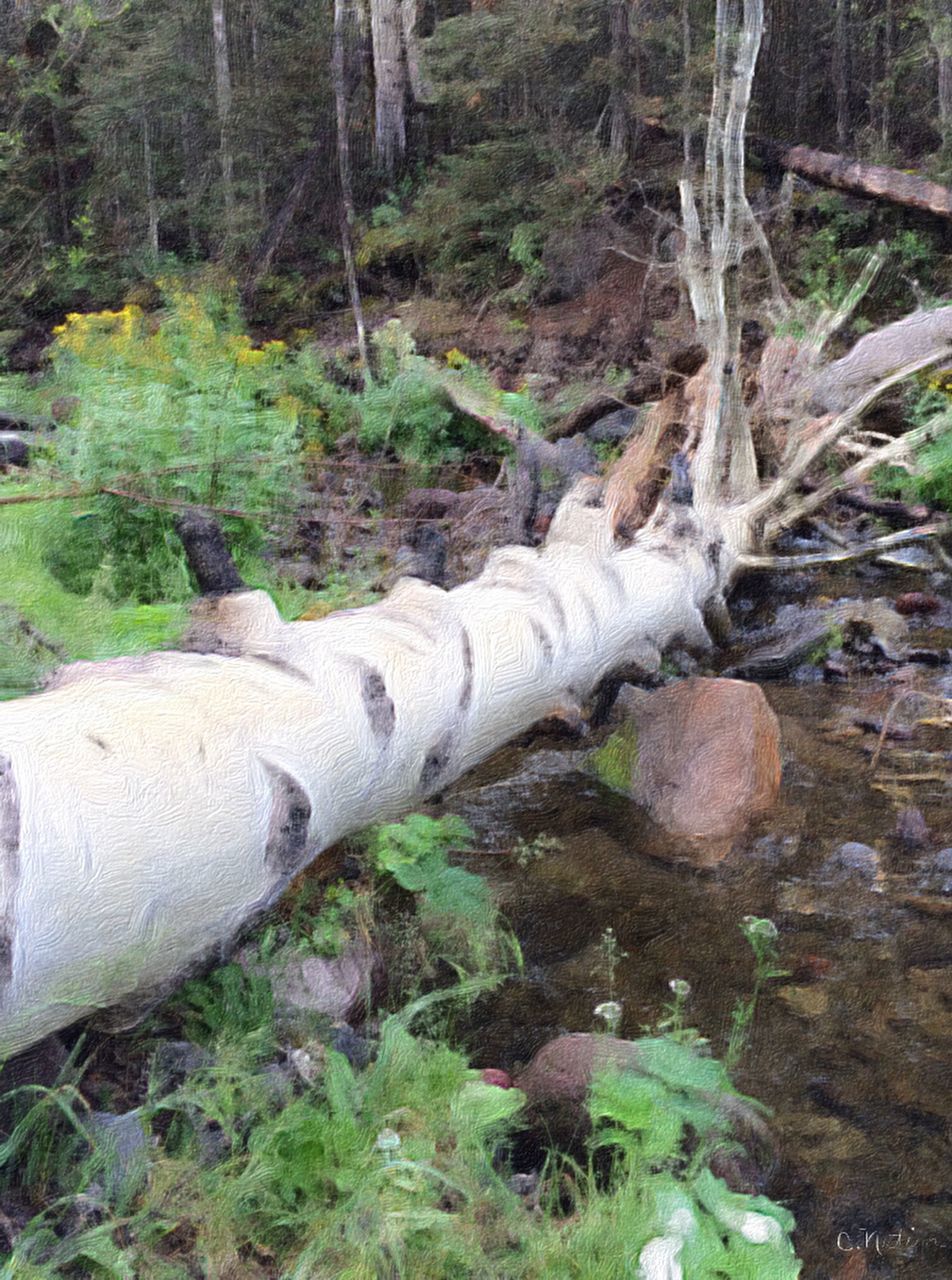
x: 348, y: 216
x: 390, y: 82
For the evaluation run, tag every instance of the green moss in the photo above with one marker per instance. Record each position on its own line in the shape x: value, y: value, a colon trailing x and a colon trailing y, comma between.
x: 615, y: 761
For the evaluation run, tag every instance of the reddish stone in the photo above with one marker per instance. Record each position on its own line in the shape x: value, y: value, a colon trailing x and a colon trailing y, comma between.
x: 494, y: 1075
x: 917, y: 602
x: 708, y: 758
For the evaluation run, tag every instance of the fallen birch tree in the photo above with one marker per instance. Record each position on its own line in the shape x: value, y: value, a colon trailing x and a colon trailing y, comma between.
x: 152, y: 806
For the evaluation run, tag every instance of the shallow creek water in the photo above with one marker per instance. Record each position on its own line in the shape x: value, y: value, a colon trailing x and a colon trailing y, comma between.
x: 853, y: 1051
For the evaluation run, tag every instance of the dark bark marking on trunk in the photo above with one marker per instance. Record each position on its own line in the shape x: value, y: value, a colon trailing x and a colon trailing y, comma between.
x: 9, y: 866
x: 287, y: 846
x: 279, y: 664
x: 588, y: 604
x: 712, y: 552
x: 466, y: 693
x: 435, y: 762
x: 544, y: 639
x: 552, y: 599
x: 99, y: 743
x: 377, y: 703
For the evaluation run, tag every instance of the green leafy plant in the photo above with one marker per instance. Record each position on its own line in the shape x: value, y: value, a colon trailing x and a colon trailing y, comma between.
x: 454, y: 908
x: 761, y: 935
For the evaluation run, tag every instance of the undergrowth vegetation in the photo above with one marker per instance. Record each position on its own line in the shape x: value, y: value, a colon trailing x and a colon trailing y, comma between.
x: 265, y: 1142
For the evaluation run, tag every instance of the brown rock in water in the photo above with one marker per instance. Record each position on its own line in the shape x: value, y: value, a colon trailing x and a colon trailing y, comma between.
x: 708, y: 756
x: 917, y: 602
x: 556, y: 1084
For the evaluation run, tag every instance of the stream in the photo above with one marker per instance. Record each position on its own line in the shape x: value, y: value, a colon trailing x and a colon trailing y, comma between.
x: 852, y: 1051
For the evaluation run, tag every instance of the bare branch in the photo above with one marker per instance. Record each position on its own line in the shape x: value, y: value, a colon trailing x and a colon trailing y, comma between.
x: 827, y: 435
x: 860, y: 552
x: 888, y: 454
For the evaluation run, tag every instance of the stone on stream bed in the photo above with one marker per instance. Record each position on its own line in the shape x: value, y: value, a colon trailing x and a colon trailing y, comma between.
x: 702, y: 756
x: 863, y: 629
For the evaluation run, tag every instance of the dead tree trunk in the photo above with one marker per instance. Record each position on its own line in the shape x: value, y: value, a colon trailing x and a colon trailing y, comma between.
x: 871, y: 180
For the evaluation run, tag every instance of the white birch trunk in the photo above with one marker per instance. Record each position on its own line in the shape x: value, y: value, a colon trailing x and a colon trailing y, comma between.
x: 390, y: 81
x: 150, y: 806
x: 223, y: 107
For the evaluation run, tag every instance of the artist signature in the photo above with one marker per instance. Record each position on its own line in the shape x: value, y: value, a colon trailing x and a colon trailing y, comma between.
x: 906, y: 1240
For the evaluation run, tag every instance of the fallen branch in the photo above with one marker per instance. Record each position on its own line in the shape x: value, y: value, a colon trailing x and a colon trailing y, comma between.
x: 859, y: 552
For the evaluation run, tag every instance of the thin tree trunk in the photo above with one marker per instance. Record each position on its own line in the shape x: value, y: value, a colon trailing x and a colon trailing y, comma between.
x: 841, y: 73
x: 886, y: 82
x: 619, y: 121
x: 688, y: 73
x: 347, y: 213
x: 256, y: 91
x: 275, y: 232
x: 390, y: 82
x: 152, y: 207
x: 420, y: 86
x: 223, y: 103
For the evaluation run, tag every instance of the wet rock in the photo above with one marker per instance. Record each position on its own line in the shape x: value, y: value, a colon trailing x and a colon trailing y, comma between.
x: 613, y: 427
x: 707, y: 758
x: 557, y: 1079
x: 917, y: 602
x: 942, y: 862
x: 808, y: 1002
x: 333, y: 986
x: 911, y: 829
x: 122, y: 1143
x: 852, y: 859
x: 357, y: 1049
x: 307, y: 1063
x: 429, y: 504
x: 811, y: 968
x: 175, y: 1060
x: 868, y: 629
x: 423, y: 556
x: 14, y: 451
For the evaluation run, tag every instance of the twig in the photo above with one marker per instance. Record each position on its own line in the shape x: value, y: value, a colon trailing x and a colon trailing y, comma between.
x: 906, y: 693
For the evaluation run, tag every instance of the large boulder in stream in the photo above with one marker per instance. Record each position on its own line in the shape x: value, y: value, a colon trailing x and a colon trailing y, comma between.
x: 704, y: 755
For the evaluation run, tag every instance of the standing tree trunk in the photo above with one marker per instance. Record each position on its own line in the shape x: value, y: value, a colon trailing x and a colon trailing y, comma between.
x: 841, y: 73
x: 619, y: 117
x: 390, y: 82
x: 342, y: 18
x: 939, y: 22
x: 223, y: 106
x: 152, y: 208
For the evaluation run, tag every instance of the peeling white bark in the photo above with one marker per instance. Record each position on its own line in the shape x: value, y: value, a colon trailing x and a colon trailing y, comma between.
x: 152, y: 805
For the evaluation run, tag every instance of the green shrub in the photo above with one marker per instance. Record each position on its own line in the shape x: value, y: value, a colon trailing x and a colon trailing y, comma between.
x: 174, y: 411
